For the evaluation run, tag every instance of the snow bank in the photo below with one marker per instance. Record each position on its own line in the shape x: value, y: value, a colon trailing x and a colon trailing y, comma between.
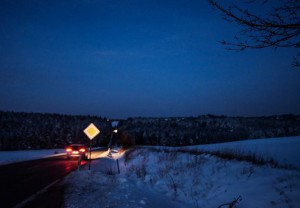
x: 7, y: 157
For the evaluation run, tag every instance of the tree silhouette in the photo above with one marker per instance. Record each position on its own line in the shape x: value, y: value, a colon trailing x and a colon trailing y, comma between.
x: 277, y: 27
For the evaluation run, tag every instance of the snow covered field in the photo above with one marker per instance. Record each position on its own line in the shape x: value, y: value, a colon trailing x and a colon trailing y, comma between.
x: 156, y: 178
x: 284, y: 150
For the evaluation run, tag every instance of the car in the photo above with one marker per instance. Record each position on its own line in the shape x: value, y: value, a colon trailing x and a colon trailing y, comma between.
x: 77, y: 150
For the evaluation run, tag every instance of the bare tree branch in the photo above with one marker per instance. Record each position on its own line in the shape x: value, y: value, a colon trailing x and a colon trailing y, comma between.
x: 277, y: 28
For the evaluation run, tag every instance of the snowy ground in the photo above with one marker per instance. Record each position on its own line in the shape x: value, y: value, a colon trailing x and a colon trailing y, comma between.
x: 156, y: 178
x: 7, y: 157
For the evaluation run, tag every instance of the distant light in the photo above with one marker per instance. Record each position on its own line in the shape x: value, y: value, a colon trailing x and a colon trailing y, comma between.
x: 116, y: 130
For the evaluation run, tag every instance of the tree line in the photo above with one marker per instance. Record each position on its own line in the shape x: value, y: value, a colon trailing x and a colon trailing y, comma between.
x: 43, y: 131
x: 206, y: 129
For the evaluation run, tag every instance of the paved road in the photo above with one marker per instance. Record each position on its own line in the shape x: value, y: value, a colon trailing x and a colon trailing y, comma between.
x: 19, y: 181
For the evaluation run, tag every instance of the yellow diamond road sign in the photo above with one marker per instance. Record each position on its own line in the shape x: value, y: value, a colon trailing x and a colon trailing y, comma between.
x: 91, y: 131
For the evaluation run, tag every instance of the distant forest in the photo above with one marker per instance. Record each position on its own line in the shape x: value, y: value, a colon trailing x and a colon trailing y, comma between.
x: 207, y: 129
x: 43, y: 131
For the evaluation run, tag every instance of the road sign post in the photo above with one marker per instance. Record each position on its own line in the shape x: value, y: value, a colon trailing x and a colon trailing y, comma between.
x: 91, y: 131
x: 90, y: 160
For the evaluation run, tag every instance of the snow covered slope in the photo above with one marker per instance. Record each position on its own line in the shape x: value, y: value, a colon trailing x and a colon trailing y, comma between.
x: 154, y: 177
x: 285, y: 150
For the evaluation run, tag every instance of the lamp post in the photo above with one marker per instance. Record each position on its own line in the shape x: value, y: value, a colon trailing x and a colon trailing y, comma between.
x: 111, y: 142
x: 116, y: 131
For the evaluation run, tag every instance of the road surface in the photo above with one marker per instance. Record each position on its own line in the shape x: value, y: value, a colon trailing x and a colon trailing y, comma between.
x: 19, y: 181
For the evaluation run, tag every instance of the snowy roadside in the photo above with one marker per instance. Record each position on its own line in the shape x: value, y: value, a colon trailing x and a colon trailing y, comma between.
x: 7, y: 157
x: 103, y: 187
x: 155, y: 178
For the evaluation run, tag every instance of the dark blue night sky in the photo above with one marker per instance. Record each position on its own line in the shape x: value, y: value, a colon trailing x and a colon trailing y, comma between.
x: 136, y: 58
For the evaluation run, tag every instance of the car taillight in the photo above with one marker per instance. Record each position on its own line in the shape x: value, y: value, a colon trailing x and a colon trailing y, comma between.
x: 69, y: 149
x: 81, y: 150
